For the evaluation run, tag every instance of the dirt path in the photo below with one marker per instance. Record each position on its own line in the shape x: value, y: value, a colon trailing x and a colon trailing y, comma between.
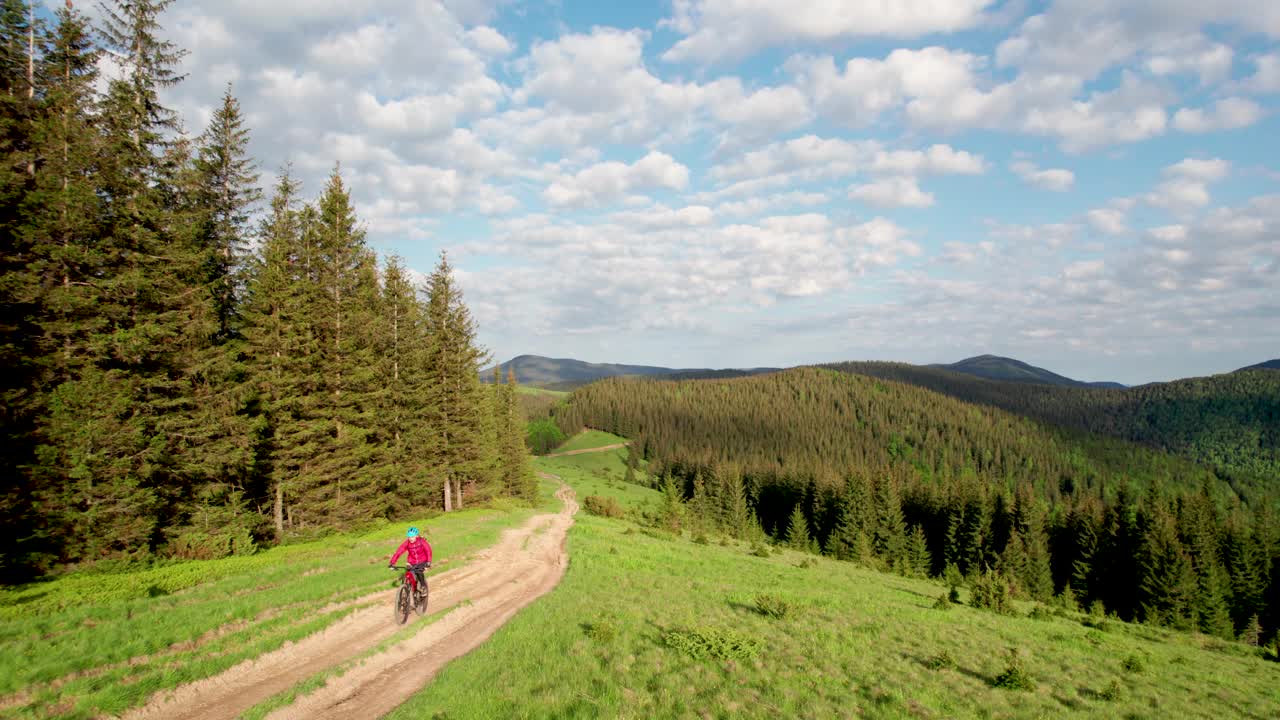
x: 603, y: 448
x: 525, y: 564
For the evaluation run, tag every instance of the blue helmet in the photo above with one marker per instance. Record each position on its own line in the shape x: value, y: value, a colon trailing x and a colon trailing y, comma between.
x: 413, y: 532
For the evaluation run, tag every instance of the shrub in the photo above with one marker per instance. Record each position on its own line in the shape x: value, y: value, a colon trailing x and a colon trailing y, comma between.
x: 759, y: 550
x: 991, y: 592
x: 807, y: 563
x: 1015, y: 676
x: 1040, y: 612
x: 601, y: 631
x: 701, y: 539
x: 713, y: 643
x: 951, y: 576
x: 1252, y: 632
x: 1272, y: 651
x: 774, y: 607
x: 602, y: 506
x: 953, y: 595
x: 1097, y: 609
x: 942, y: 603
x: 1066, y: 600
x: 1112, y: 692
x: 941, y: 661
x: 1133, y: 664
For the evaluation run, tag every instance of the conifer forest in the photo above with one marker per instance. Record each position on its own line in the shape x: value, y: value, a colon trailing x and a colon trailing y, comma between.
x: 195, y: 367
x: 899, y: 477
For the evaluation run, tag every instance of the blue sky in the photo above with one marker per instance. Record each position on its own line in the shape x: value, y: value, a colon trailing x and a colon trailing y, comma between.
x: 1088, y: 185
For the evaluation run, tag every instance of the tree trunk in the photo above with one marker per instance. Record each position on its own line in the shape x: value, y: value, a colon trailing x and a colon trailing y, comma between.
x: 279, y: 512
x: 448, y: 497
x: 459, y: 506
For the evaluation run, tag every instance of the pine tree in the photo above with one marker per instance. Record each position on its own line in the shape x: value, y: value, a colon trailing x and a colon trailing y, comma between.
x: 20, y: 383
x: 889, y: 533
x: 282, y: 351
x: 112, y: 468
x: 226, y: 192
x: 919, y: 561
x: 465, y: 452
x: 1166, y: 583
x: 515, y: 474
x: 671, y: 511
x: 797, y: 534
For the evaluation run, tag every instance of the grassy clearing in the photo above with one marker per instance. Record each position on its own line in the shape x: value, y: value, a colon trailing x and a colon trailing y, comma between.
x: 93, y: 644
x: 650, y: 626
x: 588, y: 439
x: 530, y: 390
x: 601, y: 474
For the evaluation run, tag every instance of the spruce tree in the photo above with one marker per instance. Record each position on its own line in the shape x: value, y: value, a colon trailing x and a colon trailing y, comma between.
x: 226, y: 193
x: 797, y: 534
x: 465, y: 453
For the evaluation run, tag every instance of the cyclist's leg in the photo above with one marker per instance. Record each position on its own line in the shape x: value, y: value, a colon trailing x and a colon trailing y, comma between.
x: 420, y: 575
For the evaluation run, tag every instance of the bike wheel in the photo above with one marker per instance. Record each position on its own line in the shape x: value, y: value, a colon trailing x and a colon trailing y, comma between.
x: 421, y: 605
x: 403, y: 603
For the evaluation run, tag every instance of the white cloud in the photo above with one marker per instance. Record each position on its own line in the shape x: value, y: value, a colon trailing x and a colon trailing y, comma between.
x: 937, y: 159
x: 1055, y: 179
x: 1192, y: 54
x: 662, y: 217
x: 892, y: 192
x: 1227, y: 114
x: 724, y: 29
x: 612, y: 180
x: 1108, y: 220
x: 1266, y: 78
x: 1210, y: 170
x: 1187, y: 185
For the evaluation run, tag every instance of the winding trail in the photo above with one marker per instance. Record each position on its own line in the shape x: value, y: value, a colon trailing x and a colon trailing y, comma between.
x: 584, y: 451
x: 526, y: 563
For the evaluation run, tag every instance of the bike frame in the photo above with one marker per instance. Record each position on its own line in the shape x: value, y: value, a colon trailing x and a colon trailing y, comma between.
x: 409, y: 578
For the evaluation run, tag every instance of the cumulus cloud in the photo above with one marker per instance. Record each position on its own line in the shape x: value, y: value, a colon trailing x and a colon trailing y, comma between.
x: 725, y: 29
x: 612, y: 180
x: 892, y: 192
x: 1226, y: 114
x: 1110, y: 221
x: 1056, y: 179
x: 1186, y: 184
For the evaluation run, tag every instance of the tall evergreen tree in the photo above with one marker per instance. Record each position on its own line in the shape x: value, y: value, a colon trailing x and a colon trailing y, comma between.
x: 281, y: 352
x: 226, y: 192
x: 465, y: 451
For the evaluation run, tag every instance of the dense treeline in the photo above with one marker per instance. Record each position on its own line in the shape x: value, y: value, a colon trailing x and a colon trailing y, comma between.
x: 898, y: 476
x: 1230, y: 422
x: 168, y: 391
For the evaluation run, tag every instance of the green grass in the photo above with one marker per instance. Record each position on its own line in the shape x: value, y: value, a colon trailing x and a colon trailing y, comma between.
x: 530, y: 390
x: 651, y: 626
x: 588, y: 439
x: 92, y: 644
x: 601, y: 473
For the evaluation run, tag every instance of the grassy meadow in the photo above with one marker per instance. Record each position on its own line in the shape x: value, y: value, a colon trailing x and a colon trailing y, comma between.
x: 647, y: 624
x: 588, y: 439
x: 91, y: 644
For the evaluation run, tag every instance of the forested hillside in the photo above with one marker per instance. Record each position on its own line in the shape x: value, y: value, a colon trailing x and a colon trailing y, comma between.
x: 895, y: 475
x: 167, y: 390
x: 1229, y: 421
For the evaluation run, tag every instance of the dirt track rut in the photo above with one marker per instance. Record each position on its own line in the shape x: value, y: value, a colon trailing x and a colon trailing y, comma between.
x: 525, y: 564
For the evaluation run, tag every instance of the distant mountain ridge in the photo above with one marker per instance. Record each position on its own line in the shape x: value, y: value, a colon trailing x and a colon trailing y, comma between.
x: 567, y: 373
x: 994, y: 367
x: 1268, y: 365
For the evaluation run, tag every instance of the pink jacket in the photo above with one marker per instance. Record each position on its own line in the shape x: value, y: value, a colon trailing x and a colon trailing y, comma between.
x: 419, y: 552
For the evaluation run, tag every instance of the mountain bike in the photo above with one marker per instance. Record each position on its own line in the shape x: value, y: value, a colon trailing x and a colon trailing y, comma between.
x: 408, y: 595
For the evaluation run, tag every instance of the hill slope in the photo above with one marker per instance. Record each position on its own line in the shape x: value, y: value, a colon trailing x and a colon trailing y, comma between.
x: 650, y: 624
x: 1229, y: 421
x: 567, y: 373
x: 1268, y: 365
x: 993, y: 367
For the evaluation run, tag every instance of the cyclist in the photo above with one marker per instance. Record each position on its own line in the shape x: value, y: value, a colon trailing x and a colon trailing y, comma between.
x: 419, y: 555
